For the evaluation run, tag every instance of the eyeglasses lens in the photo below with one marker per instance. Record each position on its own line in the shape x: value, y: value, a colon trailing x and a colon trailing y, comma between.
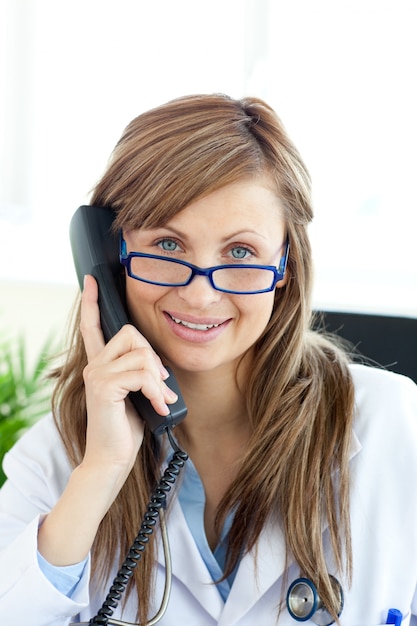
x: 235, y: 279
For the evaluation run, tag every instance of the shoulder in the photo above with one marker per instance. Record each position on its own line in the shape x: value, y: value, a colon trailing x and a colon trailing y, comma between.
x: 386, y: 407
x: 381, y: 387
x: 39, y: 456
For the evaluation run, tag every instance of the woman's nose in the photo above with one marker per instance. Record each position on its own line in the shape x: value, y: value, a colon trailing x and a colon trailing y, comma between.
x: 199, y: 292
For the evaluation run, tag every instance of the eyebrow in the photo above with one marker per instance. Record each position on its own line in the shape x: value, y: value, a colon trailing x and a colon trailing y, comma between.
x: 233, y: 235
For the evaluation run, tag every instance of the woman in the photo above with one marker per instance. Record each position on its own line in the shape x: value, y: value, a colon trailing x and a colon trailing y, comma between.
x: 290, y: 468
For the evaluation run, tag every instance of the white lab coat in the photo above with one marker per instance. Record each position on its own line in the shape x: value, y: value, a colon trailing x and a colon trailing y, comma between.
x: 383, y: 517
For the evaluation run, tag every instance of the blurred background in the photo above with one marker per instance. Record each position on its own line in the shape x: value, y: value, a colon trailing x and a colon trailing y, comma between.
x: 341, y: 75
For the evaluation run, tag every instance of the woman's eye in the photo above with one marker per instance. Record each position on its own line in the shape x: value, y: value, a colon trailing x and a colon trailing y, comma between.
x: 239, y: 252
x: 168, y: 245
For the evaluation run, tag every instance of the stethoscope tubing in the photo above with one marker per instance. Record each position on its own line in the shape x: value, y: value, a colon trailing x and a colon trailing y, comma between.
x: 167, y: 586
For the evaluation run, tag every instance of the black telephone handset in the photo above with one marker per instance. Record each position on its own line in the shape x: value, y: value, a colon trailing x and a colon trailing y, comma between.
x: 95, y: 249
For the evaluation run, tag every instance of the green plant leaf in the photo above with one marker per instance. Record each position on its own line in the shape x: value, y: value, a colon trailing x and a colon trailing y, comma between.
x: 24, y: 392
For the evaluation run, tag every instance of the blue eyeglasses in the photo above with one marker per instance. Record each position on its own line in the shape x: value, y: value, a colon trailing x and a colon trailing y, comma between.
x: 242, y: 279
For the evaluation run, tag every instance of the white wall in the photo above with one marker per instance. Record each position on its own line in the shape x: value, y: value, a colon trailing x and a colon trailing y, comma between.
x: 340, y: 75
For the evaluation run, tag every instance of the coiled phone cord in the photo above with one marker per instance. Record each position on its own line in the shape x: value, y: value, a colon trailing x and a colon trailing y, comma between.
x: 154, y: 510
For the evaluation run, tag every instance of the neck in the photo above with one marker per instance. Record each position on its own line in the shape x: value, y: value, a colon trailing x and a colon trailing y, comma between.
x: 214, y: 433
x: 216, y: 408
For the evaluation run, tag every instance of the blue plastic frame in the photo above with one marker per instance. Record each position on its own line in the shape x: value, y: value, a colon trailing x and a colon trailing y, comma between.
x: 277, y: 273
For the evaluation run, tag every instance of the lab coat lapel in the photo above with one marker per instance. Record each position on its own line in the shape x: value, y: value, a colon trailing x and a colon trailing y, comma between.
x: 257, y: 572
x: 187, y: 564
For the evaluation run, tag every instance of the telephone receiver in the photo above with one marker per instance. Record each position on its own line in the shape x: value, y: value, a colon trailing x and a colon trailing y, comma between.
x: 95, y: 249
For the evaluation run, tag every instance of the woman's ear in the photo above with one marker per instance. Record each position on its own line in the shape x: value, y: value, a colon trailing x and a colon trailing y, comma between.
x: 283, y: 266
x: 284, y: 281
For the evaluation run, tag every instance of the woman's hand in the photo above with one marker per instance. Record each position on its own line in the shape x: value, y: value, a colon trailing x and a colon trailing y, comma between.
x: 114, y: 432
x: 127, y: 363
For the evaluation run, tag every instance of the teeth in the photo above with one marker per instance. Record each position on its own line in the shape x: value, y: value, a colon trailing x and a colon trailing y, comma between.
x: 194, y: 326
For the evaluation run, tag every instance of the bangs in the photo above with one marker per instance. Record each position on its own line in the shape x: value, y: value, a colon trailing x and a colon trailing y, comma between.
x: 185, y: 149
x: 181, y: 172
x: 175, y: 154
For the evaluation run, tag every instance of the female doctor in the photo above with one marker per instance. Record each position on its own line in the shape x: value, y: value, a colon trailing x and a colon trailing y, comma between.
x: 301, y: 465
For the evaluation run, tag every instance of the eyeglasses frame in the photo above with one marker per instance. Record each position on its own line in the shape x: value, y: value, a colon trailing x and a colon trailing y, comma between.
x: 278, y: 272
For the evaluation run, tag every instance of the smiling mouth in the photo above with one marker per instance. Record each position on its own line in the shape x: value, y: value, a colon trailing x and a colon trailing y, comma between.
x: 203, y: 327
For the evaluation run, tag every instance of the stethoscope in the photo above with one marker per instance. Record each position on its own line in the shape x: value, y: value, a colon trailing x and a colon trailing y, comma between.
x: 303, y: 602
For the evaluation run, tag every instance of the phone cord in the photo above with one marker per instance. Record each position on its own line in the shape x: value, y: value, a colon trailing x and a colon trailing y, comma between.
x: 157, y: 501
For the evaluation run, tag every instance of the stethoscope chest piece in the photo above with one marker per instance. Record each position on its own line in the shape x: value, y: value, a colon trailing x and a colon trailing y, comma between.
x: 303, y: 602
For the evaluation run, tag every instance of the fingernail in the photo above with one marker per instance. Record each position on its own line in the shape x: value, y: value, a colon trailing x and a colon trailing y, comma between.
x: 171, y: 394
x: 164, y: 372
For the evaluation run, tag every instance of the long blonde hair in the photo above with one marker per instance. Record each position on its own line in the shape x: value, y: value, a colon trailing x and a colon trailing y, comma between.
x: 299, y: 394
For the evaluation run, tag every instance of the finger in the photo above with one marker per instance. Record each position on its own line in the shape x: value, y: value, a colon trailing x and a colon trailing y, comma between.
x: 128, y: 338
x: 131, y: 344
x: 90, y: 319
x: 158, y: 394
x: 135, y: 370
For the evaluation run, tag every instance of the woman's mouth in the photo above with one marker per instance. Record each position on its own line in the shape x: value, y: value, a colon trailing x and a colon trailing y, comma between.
x: 196, y: 331
x: 194, y: 326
